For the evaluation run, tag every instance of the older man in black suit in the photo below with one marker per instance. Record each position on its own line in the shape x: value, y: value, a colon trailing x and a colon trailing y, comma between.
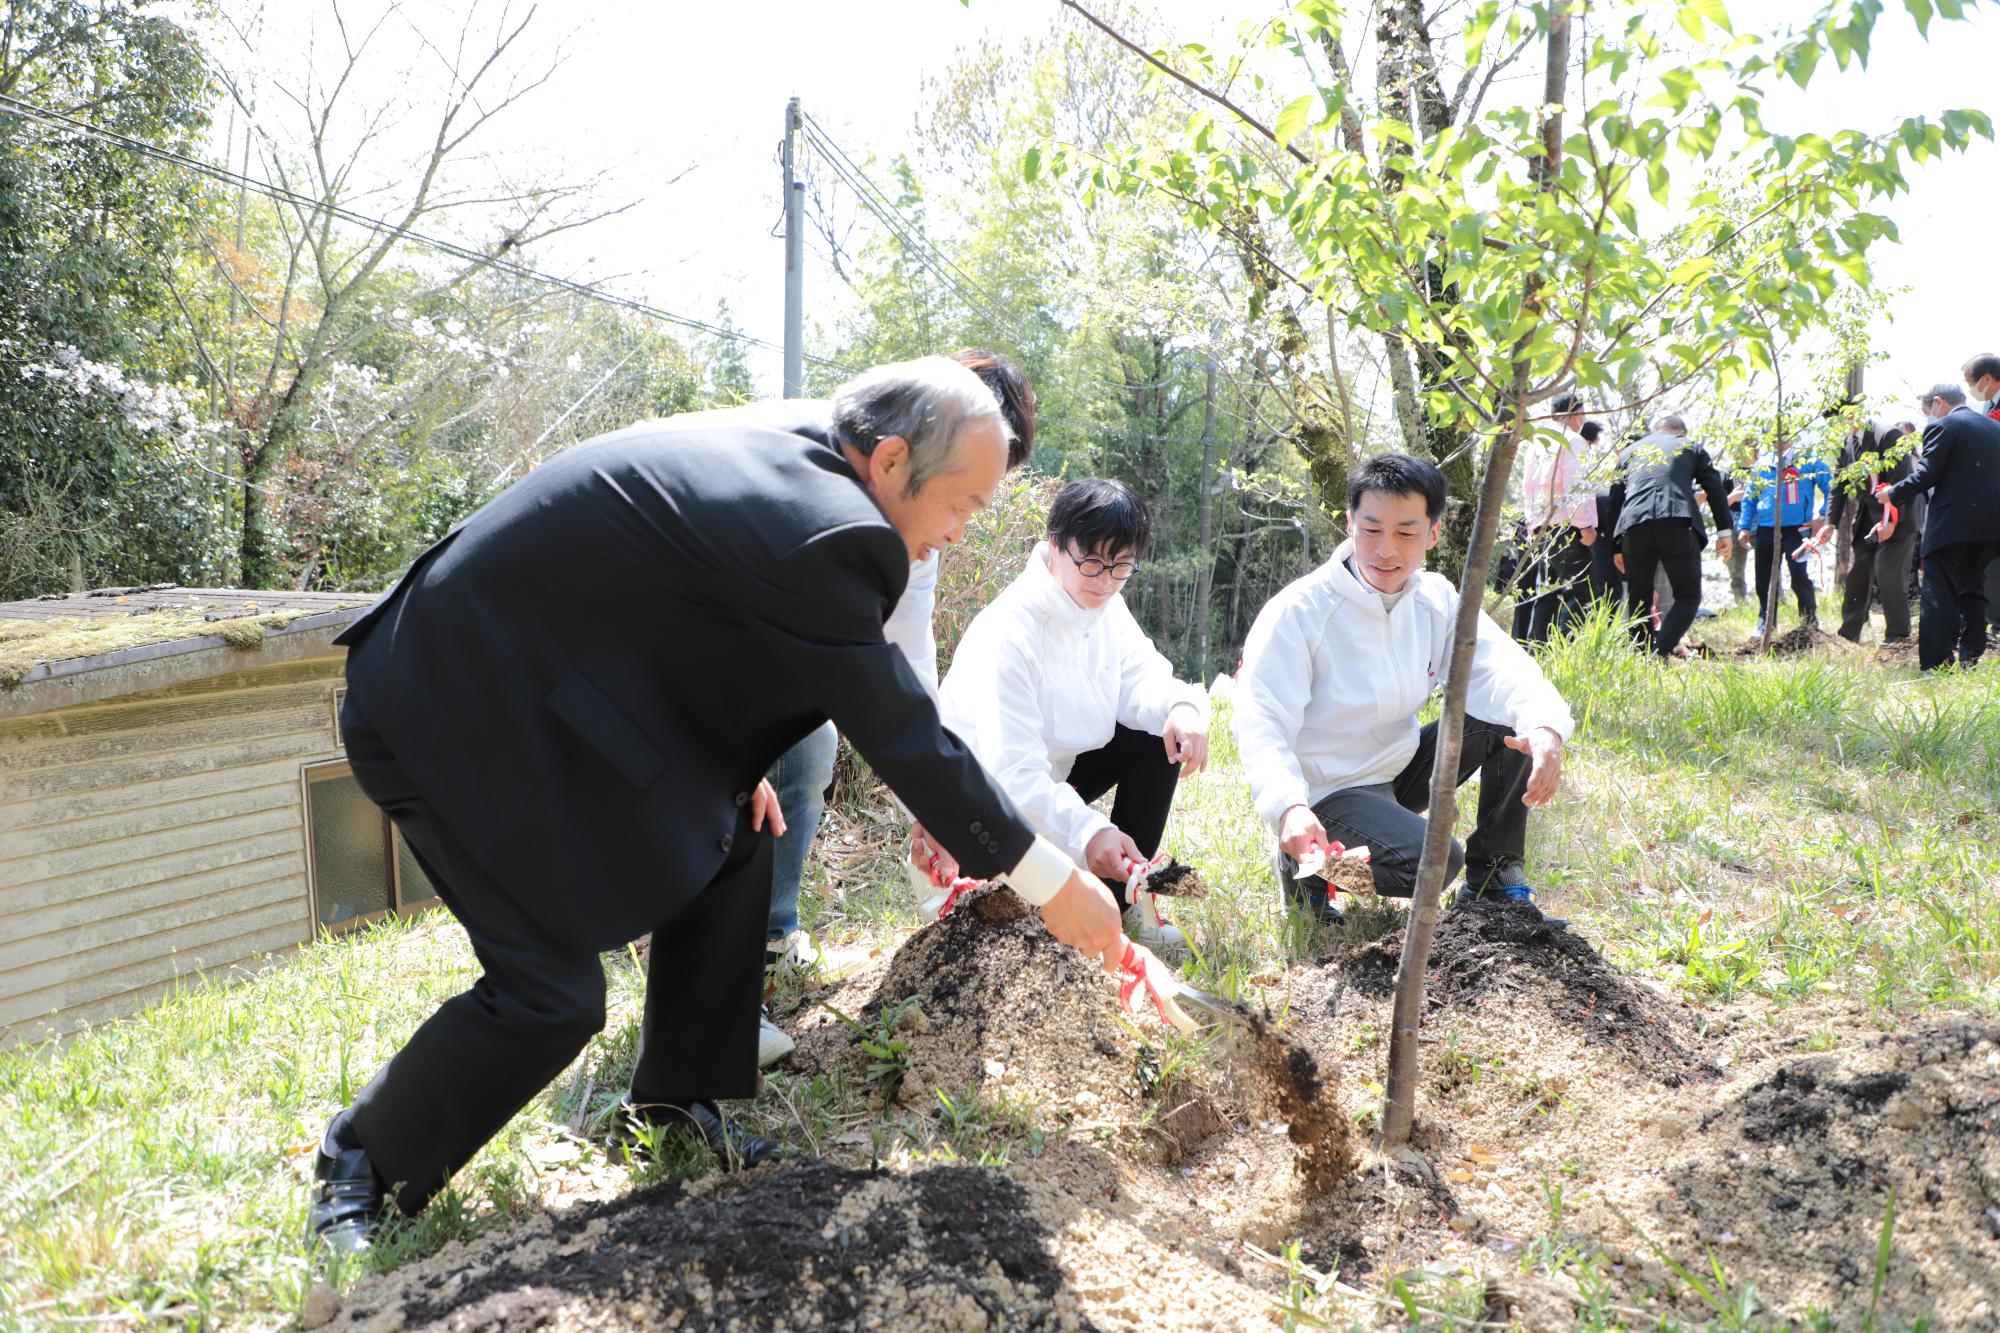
x: 567, y: 707
x: 1959, y: 470
x: 1657, y: 524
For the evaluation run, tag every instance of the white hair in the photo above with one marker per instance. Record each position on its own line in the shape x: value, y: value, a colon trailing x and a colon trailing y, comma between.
x: 929, y: 402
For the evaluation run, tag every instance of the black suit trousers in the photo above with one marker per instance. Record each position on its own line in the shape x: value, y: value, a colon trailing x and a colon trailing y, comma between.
x: 1136, y: 763
x: 1668, y: 544
x: 1879, y: 569
x: 472, y: 1065
x: 1561, y: 578
x: 1954, y: 617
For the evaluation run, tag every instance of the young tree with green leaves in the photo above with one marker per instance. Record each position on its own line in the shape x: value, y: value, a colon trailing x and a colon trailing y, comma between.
x: 1513, y: 252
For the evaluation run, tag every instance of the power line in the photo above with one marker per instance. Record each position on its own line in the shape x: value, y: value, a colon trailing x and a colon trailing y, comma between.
x: 61, y: 120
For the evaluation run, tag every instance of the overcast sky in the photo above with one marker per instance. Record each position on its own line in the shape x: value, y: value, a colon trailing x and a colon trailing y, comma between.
x: 655, y: 90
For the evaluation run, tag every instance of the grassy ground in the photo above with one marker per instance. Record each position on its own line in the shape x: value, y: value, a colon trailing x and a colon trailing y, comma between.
x: 1769, y: 833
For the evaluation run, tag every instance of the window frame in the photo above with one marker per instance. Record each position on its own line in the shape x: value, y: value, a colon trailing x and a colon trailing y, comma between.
x: 392, y: 841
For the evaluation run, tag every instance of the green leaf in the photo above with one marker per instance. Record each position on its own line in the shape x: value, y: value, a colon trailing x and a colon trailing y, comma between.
x: 1920, y: 10
x: 1031, y: 164
x: 1297, y: 114
x: 1658, y: 181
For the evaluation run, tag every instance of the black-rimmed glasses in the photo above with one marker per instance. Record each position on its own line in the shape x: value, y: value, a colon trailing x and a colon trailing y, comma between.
x: 1090, y: 567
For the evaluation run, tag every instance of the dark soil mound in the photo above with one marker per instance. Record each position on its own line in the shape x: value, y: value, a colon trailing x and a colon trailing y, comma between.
x: 801, y: 1247
x: 1796, y: 1176
x: 1177, y: 880
x: 1800, y: 639
x: 1287, y: 1080
x: 1509, y: 953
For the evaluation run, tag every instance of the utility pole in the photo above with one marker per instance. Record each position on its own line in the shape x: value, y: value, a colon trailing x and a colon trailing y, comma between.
x: 795, y: 255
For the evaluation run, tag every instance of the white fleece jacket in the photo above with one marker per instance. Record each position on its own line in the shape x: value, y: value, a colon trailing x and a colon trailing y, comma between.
x: 909, y: 624
x: 1038, y: 680
x: 1332, y: 683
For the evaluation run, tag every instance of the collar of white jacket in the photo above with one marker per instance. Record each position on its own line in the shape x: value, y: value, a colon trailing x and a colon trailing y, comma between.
x: 1048, y: 594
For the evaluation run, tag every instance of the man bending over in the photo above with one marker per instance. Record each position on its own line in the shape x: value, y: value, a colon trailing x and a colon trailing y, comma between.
x: 1338, y: 666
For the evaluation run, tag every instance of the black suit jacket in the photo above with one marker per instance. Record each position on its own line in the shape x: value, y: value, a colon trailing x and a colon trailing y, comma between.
x: 1656, y: 479
x: 1867, y: 509
x: 1960, y: 470
x: 586, y: 678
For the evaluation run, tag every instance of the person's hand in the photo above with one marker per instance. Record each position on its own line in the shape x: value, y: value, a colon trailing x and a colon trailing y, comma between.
x: 1300, y: 831
x: 1186, y: 738
x: 1588, y: 536
x: 1544, y: 747
x: 1736, y: 496
x: 1820, y: 528
x: 928, y: 855
x: 1883, y: 530
x: 764, y: 806
x: 1724, y: 544
x: 1618, y: 562
x: 1111, y: 854
x: 1084, y: 914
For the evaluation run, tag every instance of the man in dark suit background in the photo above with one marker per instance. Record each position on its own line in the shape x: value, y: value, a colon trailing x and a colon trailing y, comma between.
x: 1959, y: 470
x: 1879, y: 568
x: 567, y: 706
x: 1657, y: 524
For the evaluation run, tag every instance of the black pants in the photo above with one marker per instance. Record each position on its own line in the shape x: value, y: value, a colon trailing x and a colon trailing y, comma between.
x: 1606, y: 583
x: 1802, y: 584
x: 1387, y: 818
x: 1668, y: 544
x: 1560, y: 576
x: 1878, y: 569
x: 486, y: 1052
x: 1136, y: 763
x: 1954, y: 621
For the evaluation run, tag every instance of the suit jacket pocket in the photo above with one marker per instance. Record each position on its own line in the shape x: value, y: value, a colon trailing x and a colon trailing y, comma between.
x: 605, y: 729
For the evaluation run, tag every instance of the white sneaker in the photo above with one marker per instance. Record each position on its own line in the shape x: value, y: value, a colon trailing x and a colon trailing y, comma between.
x: 796, y: 952
x: 772, y: 1043
x: 1148, y: 926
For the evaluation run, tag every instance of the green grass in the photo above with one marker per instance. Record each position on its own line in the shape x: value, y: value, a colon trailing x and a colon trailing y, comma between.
x: 1762, y: 831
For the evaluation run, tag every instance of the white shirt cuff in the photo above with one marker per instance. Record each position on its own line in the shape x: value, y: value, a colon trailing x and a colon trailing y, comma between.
x: 1041, y: 872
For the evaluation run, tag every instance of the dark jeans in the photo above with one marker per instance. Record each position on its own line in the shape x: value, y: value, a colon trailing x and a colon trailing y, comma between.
x: 1560, y: 576
x: 1136, y: 763
x: 1668, y: 544
x: 1802, y: 584
x: 1387, y: 818
x: 1878, y: 569
x: 486, y: 1052
x: 1954, y: 621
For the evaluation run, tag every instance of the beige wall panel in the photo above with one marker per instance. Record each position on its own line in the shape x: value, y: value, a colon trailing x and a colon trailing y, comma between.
x: 203, y: 945
x: 59, y: 934
x: 134, y: 825
x: 82, y: 806
x: 125, y: 715
x: 160, y: 767
x: 189, y: 833
x: 17, y: 898
x: 25, y: 761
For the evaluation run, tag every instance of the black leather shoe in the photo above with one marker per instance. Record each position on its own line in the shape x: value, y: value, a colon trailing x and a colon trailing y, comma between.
x: 733, y: 1146
x: 350, y: 1206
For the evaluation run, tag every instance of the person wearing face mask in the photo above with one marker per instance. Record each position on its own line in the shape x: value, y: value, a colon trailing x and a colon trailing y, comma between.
x: 1056, y: 689
x: 1959, y: 469
x: 1982, y: 376
x: 1337, y: 668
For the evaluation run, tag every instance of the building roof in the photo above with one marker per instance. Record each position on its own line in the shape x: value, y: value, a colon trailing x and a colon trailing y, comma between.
x: 71, y: 648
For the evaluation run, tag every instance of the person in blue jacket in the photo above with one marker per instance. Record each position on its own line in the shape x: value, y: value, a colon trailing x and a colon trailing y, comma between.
x: 1777, y: 510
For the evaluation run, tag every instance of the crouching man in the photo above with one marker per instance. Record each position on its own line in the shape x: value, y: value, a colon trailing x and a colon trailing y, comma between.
x: 572, y: 775
x: 1338, y: 666
x: 1060, y: 694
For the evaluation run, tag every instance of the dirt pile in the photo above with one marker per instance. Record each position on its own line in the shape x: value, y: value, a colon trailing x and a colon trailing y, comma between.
x: 797, y: 1247
x: 1793, y: 642
x: 1494, y: 952
x: 1789, y: 1184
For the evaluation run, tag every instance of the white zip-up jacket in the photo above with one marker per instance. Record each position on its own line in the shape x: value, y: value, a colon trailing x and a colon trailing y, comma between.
x: 1332, y: 682
x: 1038, y: 680
x: 909, y: 625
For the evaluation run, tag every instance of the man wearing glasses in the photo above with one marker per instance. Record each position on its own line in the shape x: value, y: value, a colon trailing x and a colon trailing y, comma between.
x: 1060, y: 694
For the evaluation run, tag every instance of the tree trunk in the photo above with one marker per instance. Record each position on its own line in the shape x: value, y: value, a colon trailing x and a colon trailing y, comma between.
x: 1204, y: 578
x: 1399, y: 1102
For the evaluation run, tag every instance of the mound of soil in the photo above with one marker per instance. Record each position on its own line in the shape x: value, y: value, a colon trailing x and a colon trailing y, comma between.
x: 1795, y: 1177
x: 1508, y: 953
x: 1177, y: 880
x: 809, y: 1246
x: 1800, y: 639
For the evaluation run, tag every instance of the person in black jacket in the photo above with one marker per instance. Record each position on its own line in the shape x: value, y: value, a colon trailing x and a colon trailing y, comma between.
x: 567, y: 706
x: 1878, y: 568
x: 1606, y: 584
x: 1959, y: 470
x: 1658, y: 527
